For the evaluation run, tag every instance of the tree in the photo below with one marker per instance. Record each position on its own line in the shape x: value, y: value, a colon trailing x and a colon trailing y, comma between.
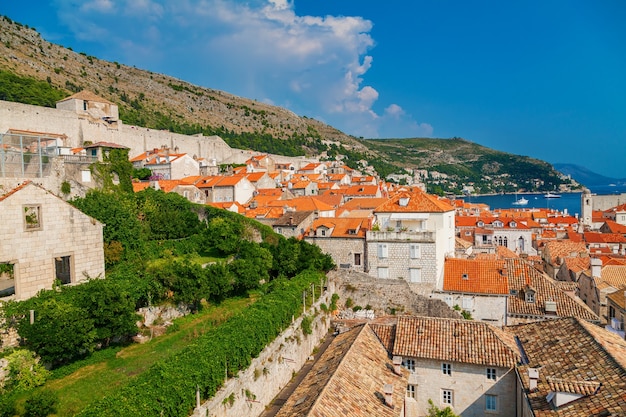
x: 25, y: 371
x: 251, y: 266
x: 60, y: 333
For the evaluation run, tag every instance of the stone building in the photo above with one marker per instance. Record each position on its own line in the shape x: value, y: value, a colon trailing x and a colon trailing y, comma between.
x: 465, y: 365
x: 343, y: 239
x: 43, y: 239
x: 477, y: 286
x: 412, y: 235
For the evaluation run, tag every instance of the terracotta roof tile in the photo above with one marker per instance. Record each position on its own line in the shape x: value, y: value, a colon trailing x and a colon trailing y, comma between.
x: 461, y: 341
x: 346, y: 379
x: 573, y: 356
x: 475, y: 276
x: 417, y: 202
x: 522, y: 275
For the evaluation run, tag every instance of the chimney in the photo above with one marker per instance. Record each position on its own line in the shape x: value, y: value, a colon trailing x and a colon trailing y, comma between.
x: 290, y: 220
x: 397, y: 364
x: 533, y: 375
x: 388, y: 391
x: 596, y: 267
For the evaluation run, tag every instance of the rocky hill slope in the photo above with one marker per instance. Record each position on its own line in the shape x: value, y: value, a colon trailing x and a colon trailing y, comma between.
x: 163, y: 102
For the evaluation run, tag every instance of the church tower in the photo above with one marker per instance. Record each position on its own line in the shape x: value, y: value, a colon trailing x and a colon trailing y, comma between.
x: 586, y: 207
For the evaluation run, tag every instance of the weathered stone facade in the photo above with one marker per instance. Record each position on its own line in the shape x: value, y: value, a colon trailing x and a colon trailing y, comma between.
x: 45, y: 239
x: 347, y: 253
x: 403, y: 255
x: 468, y: 384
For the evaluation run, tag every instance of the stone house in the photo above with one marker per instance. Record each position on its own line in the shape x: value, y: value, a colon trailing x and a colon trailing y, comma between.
x: 261, y: 180
x: 569, y: 367
x: 260, y: 163
x: 343, y: 239
x: 478, y: 286
x: 488, y: 232
x: 616, y: 307
x: 167, y: 165
x: 533, y: 296
x: 465, y: 365
x: 45, y: 239
x: 413, y: 233
x: 294, y: 223
x: 596, y: 283
x: 553, y: 253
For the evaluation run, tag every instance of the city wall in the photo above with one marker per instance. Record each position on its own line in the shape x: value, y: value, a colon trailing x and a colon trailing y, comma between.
x: 255, y: 388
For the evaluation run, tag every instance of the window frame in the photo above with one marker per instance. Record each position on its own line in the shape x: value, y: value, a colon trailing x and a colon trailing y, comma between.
x: 411, y: 391
x: 447, y: 397
x: 415, y: 251
x: 492, y: 374
x: 491, y: 402
x: 446, y: 368
x: 409, y: 364
x: 383, y: 251
x: 29, y: 210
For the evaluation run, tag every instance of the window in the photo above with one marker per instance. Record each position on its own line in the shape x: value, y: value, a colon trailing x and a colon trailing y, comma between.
x: 446, y: 368
x: 491, y: 373
x: 410, y: 391
x: 468, y: 303
x: 85, y: 176
x: 32, y: 217
x: 414, y: 251
x: 491, y: 402
x: 323, y: 232
x: 383, y: 272
x: 530, y: 296
x: 383, y: 251
x: 409, y: 364
x: 62, y: 266
x: 447, y: 396
x: 448, y: 300
x: 357, y: 259
x: 415, y: 275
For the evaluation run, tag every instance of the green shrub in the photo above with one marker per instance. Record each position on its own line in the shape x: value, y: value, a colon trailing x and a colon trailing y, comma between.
x: 41, y: 403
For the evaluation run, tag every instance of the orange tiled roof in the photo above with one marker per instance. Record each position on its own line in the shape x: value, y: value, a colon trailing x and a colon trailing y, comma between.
x: 475, y: 276
x: 573, y: 356
x: 344, y: 227
x: 14, y: 190
x: 418, y: 202
x: 140, y: 186
x: 346, y: 378
x: 522, y: 275
x: 615, y: 227
x: 452, y: 340
x: 87, y: 96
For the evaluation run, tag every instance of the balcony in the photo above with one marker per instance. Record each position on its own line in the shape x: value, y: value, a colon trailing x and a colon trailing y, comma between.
x: 421, y: 236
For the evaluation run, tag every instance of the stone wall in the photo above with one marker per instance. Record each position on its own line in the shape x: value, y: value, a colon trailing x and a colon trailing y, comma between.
x: 469, y: 384
x: 387, y: 296
x: 63, y: 231
x: 607, y: 201
x: 254, y: 388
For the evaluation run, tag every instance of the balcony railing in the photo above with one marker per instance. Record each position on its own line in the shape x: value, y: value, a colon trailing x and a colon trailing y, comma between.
x: 79, y: 159
x: 421, y: 236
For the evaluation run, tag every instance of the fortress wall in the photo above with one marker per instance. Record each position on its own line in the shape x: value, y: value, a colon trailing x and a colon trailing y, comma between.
x: 79, y: 128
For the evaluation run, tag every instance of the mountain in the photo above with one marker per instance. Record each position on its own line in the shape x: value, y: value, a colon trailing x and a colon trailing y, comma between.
x: 585, y: 176
x: 162, y: 102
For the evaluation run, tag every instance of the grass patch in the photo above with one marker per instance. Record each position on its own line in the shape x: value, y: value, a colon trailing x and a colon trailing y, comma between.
x: 86, y: 381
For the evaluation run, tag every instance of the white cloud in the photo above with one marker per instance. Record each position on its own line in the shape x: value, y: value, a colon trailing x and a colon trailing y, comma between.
x: 260, y: 49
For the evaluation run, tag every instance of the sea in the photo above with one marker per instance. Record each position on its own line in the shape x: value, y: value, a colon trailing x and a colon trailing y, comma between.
x: 568, y: 202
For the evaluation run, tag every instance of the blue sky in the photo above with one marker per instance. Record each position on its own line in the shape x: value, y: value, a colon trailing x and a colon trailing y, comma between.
x: 546, y: 79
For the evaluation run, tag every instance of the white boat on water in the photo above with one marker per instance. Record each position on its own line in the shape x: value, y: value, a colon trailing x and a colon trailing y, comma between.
x: 550, y: 195
x: 520, y: 202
